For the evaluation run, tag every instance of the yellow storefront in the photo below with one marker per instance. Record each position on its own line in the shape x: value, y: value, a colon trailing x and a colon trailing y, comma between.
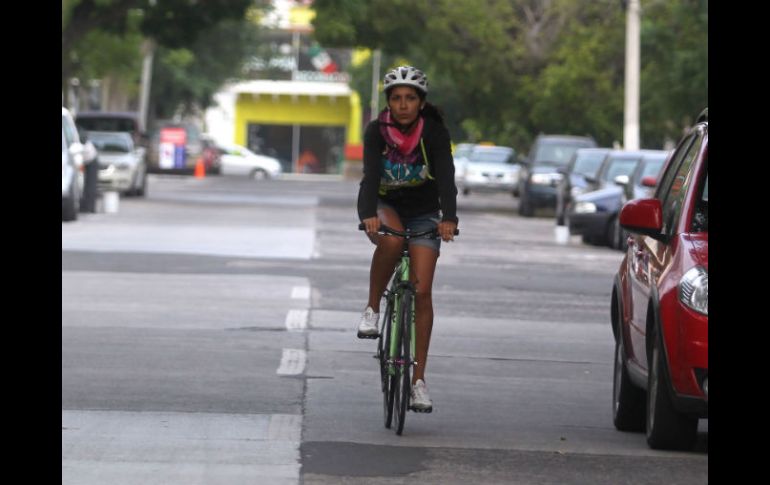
x: 310, y: 126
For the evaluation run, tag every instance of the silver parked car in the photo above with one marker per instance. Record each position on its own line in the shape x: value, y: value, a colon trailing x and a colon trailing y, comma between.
x: 71, y: 167
x: 490, y: 169
x: 122, y: 165
x: 460, y: 157
x: 239, y: 160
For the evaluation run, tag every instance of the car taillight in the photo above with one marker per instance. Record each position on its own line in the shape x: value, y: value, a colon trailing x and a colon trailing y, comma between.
x: 694, y: 290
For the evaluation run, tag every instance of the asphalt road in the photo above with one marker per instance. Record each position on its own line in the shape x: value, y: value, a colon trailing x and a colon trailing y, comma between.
x: 208, y: 337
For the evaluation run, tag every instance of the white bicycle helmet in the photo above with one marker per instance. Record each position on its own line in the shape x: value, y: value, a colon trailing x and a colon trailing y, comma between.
x: 406, y: 76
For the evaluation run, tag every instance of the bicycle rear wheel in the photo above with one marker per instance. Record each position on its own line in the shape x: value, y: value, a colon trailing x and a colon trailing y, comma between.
x: 386, y: 377
x: 403, y: 384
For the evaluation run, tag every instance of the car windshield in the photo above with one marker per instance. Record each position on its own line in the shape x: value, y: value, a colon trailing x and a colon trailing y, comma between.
x: 559, y: 154
x: 620, y: 166
x: 107, y: 124
x: 588, y: 164
x: 463, y: 150
x: 110, y: 143
x: 490, y: 156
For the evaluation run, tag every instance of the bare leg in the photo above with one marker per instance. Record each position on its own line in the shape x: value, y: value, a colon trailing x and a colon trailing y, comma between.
x: 384, y: 258
x: 423, y: 267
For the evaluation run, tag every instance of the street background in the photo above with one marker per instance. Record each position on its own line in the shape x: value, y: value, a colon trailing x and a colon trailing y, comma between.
x: 208, y: 336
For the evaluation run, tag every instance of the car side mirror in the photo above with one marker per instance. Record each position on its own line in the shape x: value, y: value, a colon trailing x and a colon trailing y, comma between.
x: 621, y: 180
x: 643, y: 216
x: 649, y: 181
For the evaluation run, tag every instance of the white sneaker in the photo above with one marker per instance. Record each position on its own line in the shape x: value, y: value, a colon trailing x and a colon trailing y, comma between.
x: 367, y: 328
x: 420, y: 399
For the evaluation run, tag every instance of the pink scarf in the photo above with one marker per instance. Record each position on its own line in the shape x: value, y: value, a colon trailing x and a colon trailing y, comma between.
x: 405, y: 142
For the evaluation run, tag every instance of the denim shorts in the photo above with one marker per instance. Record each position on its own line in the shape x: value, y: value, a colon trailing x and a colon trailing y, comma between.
x: 419, y: 223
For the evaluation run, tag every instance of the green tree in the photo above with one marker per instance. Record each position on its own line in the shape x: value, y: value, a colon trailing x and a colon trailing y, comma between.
x: 674, y: 77
x: 187, y: 78
x: 509, y: 69
x: 199, y: 45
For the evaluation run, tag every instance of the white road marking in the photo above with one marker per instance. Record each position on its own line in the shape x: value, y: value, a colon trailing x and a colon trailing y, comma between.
x: 296, y: 320
x: 292, y: 362
x: 300, y: 292
x: 167, y: 448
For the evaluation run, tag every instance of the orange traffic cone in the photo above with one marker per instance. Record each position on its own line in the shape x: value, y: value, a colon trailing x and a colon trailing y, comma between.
x: 200, y: 170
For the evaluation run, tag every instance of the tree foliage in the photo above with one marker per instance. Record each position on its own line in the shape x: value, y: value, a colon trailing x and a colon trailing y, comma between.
x: 506, y: 70
x: 199, y: 45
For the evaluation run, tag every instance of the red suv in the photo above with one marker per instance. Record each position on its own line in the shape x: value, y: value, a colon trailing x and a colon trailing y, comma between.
x: 659, y: 304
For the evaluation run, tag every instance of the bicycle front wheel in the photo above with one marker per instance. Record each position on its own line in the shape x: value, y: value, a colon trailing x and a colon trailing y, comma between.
x: 403, y: 382
x: 386, y: 375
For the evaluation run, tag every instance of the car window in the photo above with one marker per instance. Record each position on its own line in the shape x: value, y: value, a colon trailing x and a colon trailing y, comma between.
x: 651, y: 168
x: 463, y: 150
x: 673, y: 201
x: 673, y: 165
x: 107, y: 124
x: 620, y: 166
x: 490, y: 156
x: 700, y: 218
x: 588, y: 164
x: 560, y: 154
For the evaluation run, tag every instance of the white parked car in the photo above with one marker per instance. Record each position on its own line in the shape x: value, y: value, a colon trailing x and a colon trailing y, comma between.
x: 239, y: 160
x: 122, y: 165
x: 460, y: 156
x: 71, y: 167
x: 490, y: 169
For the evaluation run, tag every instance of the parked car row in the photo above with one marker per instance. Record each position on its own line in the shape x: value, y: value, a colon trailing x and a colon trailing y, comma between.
x: 594, y: 213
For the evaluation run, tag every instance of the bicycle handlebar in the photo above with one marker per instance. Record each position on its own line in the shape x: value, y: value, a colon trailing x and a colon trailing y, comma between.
x: 432, y: 233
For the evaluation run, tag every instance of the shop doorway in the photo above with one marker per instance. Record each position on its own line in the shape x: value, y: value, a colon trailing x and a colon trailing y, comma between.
x: 300, y: 148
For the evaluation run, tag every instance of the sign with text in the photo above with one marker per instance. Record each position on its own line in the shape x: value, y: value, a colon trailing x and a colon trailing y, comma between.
x: 172, y: 148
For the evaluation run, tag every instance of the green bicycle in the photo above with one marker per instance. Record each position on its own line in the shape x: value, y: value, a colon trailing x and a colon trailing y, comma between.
x: 395, y: 344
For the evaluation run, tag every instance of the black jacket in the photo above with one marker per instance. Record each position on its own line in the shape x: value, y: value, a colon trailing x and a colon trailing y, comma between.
x: 439, y: 193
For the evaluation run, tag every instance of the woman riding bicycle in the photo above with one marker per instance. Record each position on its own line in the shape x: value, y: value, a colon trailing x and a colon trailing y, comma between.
x: 409, y: 183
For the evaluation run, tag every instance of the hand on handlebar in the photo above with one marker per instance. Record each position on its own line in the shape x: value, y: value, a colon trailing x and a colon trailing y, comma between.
x: 371, y: 225
x: 447, y: 230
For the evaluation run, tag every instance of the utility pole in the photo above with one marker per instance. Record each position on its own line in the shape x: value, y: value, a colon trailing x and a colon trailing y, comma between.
x: 375, y: 103
x: 631, y: 110
x: 148, y: 52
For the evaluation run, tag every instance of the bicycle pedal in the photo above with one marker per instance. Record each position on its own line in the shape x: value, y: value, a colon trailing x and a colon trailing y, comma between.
x: 367, y: 336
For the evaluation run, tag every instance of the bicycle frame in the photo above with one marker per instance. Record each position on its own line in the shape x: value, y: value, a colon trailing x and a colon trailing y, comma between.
x: 399, y: 283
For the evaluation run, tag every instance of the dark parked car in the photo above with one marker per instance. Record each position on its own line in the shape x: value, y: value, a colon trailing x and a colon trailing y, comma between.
x: 640, y: 185
x: 594, y: 215
x: 586, y: 162
x: 112, y: 121
x: 659, y: 306
x: 539, y: 174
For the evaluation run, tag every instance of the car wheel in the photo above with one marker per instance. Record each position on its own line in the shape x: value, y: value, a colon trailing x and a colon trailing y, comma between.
x: 666, y: 428
x: 259, y: 174
x: 466, y: 191
x: 525, y: 206
x: 628, y: 401
x: 613, y: 233
x: 141, y: 190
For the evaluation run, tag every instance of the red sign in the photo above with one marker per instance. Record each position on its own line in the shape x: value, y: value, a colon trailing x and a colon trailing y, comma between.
x: 175, y: 136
